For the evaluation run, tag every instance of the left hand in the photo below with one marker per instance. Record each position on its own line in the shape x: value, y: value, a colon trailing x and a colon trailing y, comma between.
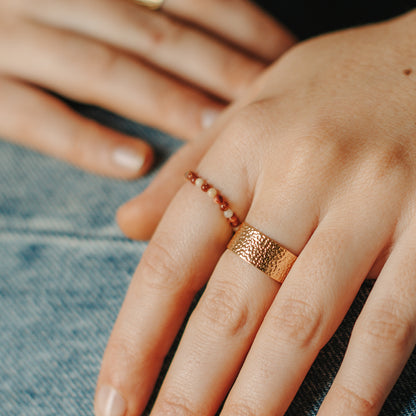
x: 323, y: 160
x: 174, y: 70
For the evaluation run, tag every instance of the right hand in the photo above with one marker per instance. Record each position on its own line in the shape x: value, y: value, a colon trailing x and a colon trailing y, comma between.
x: 174, y: 69
x: 322, y: 159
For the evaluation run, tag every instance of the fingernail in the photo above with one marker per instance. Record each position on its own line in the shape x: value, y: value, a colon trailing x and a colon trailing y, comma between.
x: 128, y: 159
x: 208, y: 117
x: 109, y: 402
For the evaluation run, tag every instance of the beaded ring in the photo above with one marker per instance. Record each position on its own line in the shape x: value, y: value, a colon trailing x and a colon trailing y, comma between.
x: 216, y: 197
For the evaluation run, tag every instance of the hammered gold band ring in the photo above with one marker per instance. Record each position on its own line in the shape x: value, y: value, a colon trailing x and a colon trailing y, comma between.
x: 262, y: 252
x: 150, y: 4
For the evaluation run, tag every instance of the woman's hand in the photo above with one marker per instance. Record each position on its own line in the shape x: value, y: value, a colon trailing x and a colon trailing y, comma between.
x: 174, y: 70
x: 323, y: 160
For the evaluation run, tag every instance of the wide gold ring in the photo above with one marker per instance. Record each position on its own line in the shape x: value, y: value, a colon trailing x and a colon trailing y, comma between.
x: 150, y: 4
x: 262, y: 252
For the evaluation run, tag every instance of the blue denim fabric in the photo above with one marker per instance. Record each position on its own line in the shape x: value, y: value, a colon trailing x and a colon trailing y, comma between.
x: 64, y: 270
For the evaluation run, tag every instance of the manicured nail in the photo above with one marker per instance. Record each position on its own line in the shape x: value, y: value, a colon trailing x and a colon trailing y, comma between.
x: 128, y: 159
x: 208, y: 117
x: 109, y: 403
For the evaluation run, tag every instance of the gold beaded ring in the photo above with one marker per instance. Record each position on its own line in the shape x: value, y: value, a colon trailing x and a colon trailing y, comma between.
x: 216, y: 197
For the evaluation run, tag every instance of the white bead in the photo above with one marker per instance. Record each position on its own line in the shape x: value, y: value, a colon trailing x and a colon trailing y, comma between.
x: 235, y: 229
x: 212, y: 192
x: 199, y: 182
x: 228, y: 213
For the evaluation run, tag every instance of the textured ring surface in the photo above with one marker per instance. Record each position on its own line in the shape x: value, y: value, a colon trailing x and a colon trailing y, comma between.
x: 150, y: 4
x: 262, y: 252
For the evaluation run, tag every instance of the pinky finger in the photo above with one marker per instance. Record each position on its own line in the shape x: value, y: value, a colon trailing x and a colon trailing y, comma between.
x: 382, y: 340
x: 35, y: 119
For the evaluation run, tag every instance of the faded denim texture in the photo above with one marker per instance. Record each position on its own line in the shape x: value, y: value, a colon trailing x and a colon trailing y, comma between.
x: 64, y: 270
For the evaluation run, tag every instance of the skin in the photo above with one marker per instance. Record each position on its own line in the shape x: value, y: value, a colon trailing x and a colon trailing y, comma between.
x: 125, y: 58
x: 320, y: 155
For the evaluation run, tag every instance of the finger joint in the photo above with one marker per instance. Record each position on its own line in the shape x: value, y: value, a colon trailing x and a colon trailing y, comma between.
x: 223, y: 309
x: 239, y: 409
x: 353, y: 402
x: 160, y: 268
x: 384, y: 328
x: 296, y: 322
x: 174, y: 406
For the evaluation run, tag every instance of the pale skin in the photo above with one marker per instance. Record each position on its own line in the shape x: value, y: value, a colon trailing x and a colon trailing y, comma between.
x: 175, y: 69
x: 320, y: 155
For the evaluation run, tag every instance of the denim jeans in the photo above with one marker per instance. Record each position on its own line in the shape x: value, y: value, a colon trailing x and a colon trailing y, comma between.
x: 64, y: 271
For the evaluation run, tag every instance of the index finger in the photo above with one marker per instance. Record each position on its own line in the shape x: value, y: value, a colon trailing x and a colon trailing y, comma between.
x: 178, y: 262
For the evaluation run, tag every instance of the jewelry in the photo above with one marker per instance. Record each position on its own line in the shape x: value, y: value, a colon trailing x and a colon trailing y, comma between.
x: 216, y: 197
x: 151, y: 4
x: 262, y: 252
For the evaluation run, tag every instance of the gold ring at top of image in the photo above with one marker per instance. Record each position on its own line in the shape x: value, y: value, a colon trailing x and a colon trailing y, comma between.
x: 150, y: 4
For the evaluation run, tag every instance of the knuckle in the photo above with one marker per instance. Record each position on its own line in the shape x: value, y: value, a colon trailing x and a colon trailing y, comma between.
x: 310, y: 142
x: 119, y: 354
x: 167, y: 32
x: 160, y: 268
x: 392, y: 161
x: 174, y: 406
x: 174, y: 31
x: 238, y: 409
x: 103, y: 63
x: 121, y: 357
x: 316, y: 142
x: 314, y: 153
x: 223, y: 310
x: 385, y: 329
x: 296, y: 322
x: 244, y: 128
x: 353, y: 402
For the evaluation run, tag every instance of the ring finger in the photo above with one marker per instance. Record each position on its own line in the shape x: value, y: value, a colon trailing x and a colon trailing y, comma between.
x: 309, y: 307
